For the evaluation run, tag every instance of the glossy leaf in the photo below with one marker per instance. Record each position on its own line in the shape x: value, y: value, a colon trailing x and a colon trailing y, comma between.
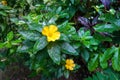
x: 35, y: 26
x: 85, y: 55
x: 30, y: 35
x: 68, y: 49
x: 3, y: 13
x: 117, y: 22
x: 106, y: 56
x: 66, y: 74
x: 72, y: 1
x: 26, y: 47
x: 106, y: 28
x: 40, y: 44
x: 93, y: 63
x: 10, y: 36
x: 23, y: 49
x: 107, y: 74
x: 1, y: 45
x: 16, y: 42
x: 116, y: 60
x: 54, y: 53
x: 100, y: 37
x: 107, y: 17
x: 64, y: 37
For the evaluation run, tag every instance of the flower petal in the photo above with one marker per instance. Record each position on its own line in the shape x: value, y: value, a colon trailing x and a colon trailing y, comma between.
x: 70, y: 68
x: 69, y: 61
x: 73, y: 65
x: 45, y: 30
x: 56, y: 35
x: 51, y: 33
x: 69, y: 64
x: 53, y: 28
x: 50, y: 39
x: 67, y: 67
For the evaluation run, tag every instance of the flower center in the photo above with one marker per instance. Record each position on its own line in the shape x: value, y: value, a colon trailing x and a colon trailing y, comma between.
x: 50, y: 34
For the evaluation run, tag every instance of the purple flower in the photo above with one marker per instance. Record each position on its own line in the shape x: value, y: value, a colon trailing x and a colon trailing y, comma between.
x: 106, y: 4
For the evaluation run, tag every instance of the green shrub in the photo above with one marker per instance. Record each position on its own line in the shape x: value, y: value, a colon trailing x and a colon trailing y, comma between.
x: 49, y: 36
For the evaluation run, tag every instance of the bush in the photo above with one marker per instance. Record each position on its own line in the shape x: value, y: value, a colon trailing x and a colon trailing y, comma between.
x: 51, y: 36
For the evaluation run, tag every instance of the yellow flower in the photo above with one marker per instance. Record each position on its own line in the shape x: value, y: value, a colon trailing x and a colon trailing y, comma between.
x: 51, y: 33
x: 70, y: 64
x: 4, y: 2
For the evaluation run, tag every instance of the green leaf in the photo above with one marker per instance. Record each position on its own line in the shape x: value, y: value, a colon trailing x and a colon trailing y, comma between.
x: 93, y: 63
x: 108, y: 74
x: 85, y: 55
x: 71, y: 31
x: 106, y: 56
x: 66, y: 74
x: 106, y: 28
x: 10, y: 36
x: 72, y: 1
x: 14, y: 20
x: 3, y: 13
x: 30, y: 35
x: 86, y: 38
x: 23, y: 49
x: 53, y: 20
x: 107, y: 17
x: 113, y: 75
x: 54, y: 53
x: 8, y: 44
x: 89, y: 78
x: 100, y: 37
x: 58, y: 10
x: 117, y: 22
x: 4, y: 7
x: 67, y: 28
x: 64, y: 15
x: 1, y: 45
x: 35, y: 26
x: 26, y: 47
x: 86, y: 43
x: 75, y: 37
x: 16, y: 42
x: 40, y: 44
x: 116, y: 37
x: 72, y: 10
x: 116, y: 60
x: 2, y: 66
x: 64, y: 37
x: 104, y: 64
x: 29, y: 1
x: 101, y: 76
x: 76, y: 44
x: 98, y: 76
x: 83, y: 34
x: 95, y: 77
x: 68, y: 49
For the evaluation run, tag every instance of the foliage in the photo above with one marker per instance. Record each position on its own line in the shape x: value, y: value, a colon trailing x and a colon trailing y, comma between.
x: 108, y: 74
x: 88, y: 29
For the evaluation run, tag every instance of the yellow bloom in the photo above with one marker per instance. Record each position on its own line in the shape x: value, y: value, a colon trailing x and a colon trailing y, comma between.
x: 70, y: 64
x: 4, y: 2
x: 51, y: 33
